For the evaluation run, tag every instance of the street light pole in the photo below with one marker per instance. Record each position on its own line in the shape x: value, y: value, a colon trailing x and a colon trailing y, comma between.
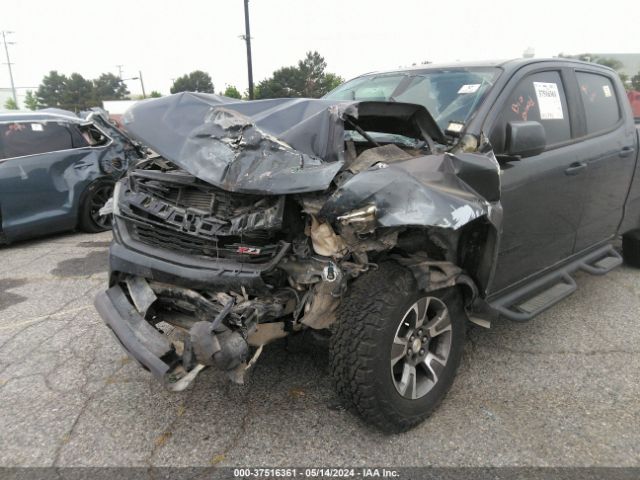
x: 247, y: 38
x: 144, y: 94
x: 6, y: 51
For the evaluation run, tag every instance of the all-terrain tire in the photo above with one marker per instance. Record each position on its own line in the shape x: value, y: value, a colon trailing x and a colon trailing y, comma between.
x: 367, y: 321
x: 631, y: 248
x: 94, y: 198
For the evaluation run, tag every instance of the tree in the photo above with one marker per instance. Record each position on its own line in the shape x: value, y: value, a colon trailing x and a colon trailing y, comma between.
x: 51, y: 90
x: 78, y: 93
x: 331, y: 81
x: 10, y: 104
x: 75, y: 92
x: 196, y: 81
x: 109, y: 87
x: 285, y: 82
x: 231, y: 92
x: 635, y: 81
x: 307, y: 79
x: 31, y: 101
x: 155, y: 94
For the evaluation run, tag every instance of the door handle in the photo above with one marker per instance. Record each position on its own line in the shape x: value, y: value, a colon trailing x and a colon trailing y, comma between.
x: 626, y: 151
x: 575, y: 168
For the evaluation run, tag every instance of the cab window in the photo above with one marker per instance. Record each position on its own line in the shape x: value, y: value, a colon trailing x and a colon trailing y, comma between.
x: 601, y: 107
x: 538, y: 97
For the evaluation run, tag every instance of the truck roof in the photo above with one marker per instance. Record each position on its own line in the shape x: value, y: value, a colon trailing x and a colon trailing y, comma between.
x: 508, y: 64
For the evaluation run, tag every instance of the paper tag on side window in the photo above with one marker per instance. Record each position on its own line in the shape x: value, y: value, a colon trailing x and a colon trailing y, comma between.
x: 471, y: 88
x: 606, y: 90
x: 548, y: 101
x: 36, y: 127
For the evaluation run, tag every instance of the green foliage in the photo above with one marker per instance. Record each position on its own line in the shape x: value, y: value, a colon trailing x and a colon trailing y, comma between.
x: 196, y: 81
x: 51, y: 90
x: 231, y: 92
x: 109, y: 87
x: 155, y: 94
x: 10, y: 104
x: 307, y: 79
x: 31, y: 101
x: 331, y: 81
x: 285, y: 82
x: 635, y: 81
x: 75, y: 92
x: 78, y: 93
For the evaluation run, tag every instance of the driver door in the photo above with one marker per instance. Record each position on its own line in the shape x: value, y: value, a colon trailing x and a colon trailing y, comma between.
x: 542, y: 195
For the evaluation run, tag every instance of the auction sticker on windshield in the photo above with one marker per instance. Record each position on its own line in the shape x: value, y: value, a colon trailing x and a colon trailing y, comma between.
x: 548, y: 101
x: 472, y: 88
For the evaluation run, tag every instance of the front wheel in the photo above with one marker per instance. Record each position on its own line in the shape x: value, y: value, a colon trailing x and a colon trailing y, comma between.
x: 395, y: 350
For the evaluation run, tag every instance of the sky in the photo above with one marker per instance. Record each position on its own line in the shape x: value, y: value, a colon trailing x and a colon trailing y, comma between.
x: 166, y: 39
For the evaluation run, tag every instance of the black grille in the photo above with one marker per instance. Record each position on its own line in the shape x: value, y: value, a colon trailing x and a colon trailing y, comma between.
x: 167, y: 238
x: 217, y: 202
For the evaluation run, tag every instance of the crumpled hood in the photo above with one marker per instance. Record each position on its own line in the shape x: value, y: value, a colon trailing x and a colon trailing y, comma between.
x: 272, y: 146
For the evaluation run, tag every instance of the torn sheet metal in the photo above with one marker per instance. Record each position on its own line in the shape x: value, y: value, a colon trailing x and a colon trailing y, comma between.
x: 267, y: 146
x: 422, y: 191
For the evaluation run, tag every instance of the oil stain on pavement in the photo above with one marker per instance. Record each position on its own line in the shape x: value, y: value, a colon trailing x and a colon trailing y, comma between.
x: 8, y: 299
x: 94, y: 262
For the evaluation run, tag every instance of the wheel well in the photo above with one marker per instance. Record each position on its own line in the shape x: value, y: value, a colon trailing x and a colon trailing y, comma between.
x: 471, y: 248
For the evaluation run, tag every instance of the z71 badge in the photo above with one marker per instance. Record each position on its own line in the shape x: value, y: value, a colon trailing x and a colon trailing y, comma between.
x: 248, y: 250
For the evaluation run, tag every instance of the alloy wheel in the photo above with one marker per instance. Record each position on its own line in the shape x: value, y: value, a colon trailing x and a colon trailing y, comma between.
x: 421, y: 347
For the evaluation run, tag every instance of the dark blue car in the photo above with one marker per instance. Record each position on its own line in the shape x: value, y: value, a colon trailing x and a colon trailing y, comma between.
x: 57, y: 170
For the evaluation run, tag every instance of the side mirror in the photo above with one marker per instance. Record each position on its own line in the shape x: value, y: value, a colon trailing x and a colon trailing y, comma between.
x: 525, y: 139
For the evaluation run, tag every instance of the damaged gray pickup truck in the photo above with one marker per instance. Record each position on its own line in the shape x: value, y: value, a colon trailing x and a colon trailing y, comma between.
x: 384, y: 217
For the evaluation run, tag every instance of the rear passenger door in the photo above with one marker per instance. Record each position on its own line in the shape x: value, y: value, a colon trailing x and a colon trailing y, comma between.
x: 608, y: 153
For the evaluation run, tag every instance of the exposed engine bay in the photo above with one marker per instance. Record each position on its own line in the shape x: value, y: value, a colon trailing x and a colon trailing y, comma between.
x: 267, y: 211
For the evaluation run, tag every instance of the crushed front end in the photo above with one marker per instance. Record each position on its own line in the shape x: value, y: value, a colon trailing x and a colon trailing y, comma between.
x: 245, y: 229
x: 220, y: 272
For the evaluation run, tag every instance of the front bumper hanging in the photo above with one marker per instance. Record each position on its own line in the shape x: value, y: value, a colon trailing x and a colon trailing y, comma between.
x: 142, y: 342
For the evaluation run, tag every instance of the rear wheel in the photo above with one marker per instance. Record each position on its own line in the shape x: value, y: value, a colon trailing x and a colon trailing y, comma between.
x: 93, y: 199
x: 395, y: 350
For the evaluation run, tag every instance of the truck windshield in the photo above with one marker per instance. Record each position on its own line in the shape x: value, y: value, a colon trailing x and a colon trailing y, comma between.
x: 450, y: 95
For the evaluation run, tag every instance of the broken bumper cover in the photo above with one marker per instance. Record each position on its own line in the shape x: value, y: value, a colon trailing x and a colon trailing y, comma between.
x: 141, y: 341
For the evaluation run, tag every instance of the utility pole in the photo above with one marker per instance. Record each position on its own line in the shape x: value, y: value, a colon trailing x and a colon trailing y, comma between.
x: 119, y: 67
x: 6, y: 51
x: 144, y: 94
x: 247, y: 39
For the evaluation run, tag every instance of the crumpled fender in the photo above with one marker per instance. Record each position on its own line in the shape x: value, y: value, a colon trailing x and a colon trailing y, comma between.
x: 426, y: 191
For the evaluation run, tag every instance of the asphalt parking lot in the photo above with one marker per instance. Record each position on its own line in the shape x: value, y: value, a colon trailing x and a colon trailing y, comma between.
x: 561, y: 390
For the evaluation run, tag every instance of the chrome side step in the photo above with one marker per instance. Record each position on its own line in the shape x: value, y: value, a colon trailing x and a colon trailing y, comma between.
x: 533, y: 298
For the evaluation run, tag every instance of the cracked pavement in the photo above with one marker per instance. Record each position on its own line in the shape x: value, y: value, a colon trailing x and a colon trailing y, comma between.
x: 561, y: 390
